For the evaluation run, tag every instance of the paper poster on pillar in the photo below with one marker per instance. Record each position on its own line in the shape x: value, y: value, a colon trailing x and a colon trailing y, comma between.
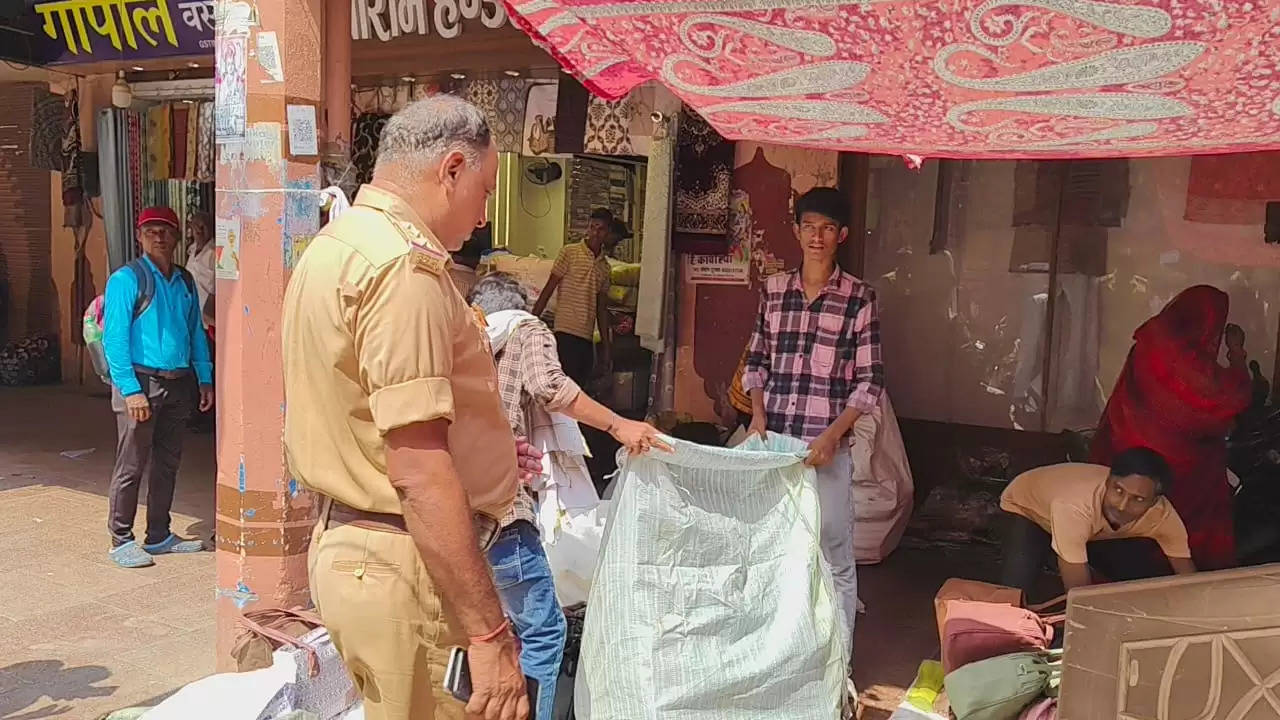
x: 269, y: 57
x: 301, y: 219
x: 303, y: 133
x: 230, y: 93
x: 227, y: 249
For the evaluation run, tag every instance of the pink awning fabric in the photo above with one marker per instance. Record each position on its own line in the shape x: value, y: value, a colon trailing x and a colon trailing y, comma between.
x: 944, y: 78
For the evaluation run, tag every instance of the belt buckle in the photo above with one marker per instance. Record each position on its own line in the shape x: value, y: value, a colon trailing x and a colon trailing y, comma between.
x: 486, y: 530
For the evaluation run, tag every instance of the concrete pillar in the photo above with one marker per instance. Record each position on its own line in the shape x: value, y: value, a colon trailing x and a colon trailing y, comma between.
x: 269, y: 197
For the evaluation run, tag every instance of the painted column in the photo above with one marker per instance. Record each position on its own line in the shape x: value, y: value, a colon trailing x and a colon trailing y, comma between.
x: 267, y: 209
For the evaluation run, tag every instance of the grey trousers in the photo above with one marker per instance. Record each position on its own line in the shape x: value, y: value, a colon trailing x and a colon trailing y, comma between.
x: 835, y: 498
x: 152, y: 448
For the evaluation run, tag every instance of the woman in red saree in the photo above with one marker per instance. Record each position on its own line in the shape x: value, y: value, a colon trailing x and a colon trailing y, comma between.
x: 1174, y: 398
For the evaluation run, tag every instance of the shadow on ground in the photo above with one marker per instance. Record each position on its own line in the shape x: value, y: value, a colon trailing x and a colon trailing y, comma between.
x: 25, y: 687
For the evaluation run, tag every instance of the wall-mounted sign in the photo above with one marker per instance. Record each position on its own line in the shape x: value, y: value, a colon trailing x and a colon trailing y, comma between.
x: 387, y: 19
x: 78, y: 31
x: 717, y: 270
x: 91, y: 30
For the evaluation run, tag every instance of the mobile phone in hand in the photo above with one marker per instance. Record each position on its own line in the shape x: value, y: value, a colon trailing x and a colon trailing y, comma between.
x: 457, y: 681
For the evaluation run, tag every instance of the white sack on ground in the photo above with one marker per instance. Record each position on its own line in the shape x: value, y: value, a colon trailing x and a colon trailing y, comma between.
x: 711, y: 600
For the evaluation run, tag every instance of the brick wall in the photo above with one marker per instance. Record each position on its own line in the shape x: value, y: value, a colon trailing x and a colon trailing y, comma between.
x: 28, y: 299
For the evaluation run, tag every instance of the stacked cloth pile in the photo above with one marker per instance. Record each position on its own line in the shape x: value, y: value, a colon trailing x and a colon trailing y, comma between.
x: 996, y: 653
x: 711, y: 600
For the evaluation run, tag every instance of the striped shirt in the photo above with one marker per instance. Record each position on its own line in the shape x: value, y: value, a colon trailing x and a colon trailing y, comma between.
x: 814, y: 359
x: 529, y: 372
x: 583, y: 276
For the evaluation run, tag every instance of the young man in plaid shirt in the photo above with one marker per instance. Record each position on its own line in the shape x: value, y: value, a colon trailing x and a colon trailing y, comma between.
x: 813, y: 369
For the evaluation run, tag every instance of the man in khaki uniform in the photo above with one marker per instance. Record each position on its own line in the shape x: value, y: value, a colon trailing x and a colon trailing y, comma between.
x: 393, y: 416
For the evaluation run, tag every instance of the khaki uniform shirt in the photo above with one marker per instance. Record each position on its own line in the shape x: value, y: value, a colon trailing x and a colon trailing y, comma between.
x: 1066, y: 501
x: 376, y: 337
x: 583, y: 276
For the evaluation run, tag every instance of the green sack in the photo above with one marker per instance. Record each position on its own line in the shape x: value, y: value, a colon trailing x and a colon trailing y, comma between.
x: 1002, y: 687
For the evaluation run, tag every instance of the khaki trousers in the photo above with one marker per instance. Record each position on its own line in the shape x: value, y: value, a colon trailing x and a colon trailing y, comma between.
x: 386, y: 619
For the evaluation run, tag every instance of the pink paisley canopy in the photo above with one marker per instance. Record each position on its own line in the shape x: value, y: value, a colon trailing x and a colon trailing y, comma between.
x: 944, y: 78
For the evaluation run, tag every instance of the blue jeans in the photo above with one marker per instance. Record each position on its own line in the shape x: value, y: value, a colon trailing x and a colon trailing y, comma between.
x: 523, y: 578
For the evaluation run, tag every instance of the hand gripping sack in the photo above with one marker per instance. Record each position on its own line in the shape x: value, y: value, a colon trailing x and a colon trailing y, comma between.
x: 711, y: 600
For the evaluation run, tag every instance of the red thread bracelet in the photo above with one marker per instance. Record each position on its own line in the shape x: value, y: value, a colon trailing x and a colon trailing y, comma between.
x: 492, y: 634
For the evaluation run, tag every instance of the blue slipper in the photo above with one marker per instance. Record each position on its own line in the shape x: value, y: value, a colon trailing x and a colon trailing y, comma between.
x: 174, y: 544
x: 129, y: 555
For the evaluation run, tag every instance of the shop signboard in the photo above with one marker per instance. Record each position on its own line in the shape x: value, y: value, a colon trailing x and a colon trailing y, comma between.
x: 81, y: 31
x: 717, y: 270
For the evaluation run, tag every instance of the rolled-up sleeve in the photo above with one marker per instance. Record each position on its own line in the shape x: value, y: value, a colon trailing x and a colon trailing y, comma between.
x: 117, y: 330
x: 867, y: 370
x: 755, y: 373
x: 541, y: 373
x: 404, y: 331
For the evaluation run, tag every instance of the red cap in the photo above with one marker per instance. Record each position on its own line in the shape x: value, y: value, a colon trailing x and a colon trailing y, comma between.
x: 158, y: 214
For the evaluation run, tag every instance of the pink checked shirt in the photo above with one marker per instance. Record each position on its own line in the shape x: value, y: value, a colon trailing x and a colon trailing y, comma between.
x: 814, y: 359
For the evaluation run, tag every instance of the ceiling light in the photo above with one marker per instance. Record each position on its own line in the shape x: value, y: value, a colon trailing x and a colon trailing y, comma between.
x: 407, y: 78
x: 121, y: 93
x: 512, y: 73
x: 193, y: 64
x: 138, y: 68
x: 458, y: 76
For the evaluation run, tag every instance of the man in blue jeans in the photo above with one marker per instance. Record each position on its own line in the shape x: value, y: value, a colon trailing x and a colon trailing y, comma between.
x: 531, y: 382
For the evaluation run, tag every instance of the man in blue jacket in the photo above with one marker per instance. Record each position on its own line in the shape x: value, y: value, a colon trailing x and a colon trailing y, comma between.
x: 156, y: 350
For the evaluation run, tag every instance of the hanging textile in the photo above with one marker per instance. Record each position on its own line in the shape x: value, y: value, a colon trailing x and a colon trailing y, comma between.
x: 965, y: 79
x: 366, y: 131
x: 135, y: 159
x: 178, y: 137
x: 159, y: 151
x: 117, y: 191
x: 571, y: 115
x: 47, y: 131
x: 1232, y: 189
x: 1093, y: 196
x: 502, y: 102
x: 704, y: 173
x: 206, y: 151
x: 609, y: 127
x: 193, y: 140
x: 74, y: 212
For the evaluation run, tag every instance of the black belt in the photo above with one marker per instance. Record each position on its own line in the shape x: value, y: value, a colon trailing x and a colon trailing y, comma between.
x: 162, y: 374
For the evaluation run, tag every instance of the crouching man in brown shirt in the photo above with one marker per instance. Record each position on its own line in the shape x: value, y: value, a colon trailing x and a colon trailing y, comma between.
x: 393, y: 416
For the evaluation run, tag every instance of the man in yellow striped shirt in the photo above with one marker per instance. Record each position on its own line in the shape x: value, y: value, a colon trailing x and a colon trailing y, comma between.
x: 581, y: 274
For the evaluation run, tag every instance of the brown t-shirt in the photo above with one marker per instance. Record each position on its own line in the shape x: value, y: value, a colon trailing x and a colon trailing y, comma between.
x: 376, y: 337
x: 1066, y: 500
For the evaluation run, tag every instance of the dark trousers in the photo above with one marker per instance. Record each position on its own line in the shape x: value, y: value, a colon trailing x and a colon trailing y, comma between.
x: 152, y: 448
x: 1027, y: 546
x: 577, y: 357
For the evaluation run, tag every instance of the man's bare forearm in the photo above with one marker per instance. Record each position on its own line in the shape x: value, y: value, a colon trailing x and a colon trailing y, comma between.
x: 844, y: 422
x: 439, y: 518
x: 757, y: 402
x: 586, y: 410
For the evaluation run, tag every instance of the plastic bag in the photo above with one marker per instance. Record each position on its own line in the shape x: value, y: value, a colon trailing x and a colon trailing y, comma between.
x: 711, y: 600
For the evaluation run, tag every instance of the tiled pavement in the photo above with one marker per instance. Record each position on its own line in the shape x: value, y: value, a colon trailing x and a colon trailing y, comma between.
x: 80, y: 637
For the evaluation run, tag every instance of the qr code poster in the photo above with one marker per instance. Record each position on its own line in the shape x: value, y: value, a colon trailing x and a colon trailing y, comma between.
x: 230, y: 93
x: 269, y: 57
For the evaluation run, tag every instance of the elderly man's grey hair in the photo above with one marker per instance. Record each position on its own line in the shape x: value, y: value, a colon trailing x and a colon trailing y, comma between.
x: 499, y: 291
x: 427, y: 129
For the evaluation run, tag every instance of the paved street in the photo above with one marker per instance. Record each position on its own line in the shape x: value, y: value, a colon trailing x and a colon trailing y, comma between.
x: 80, y: 637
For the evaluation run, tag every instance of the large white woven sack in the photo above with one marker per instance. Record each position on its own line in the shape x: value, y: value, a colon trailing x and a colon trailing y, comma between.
x: 711, y: 600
